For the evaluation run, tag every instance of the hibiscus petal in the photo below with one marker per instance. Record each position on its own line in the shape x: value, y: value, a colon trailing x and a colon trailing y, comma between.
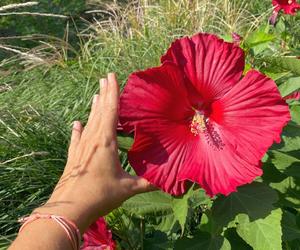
x: 244, y: 123
x: 158, y: 154
x: 156, y: 104
x: 153, y: 95
x: 98, y: 236
x: 212, y: 65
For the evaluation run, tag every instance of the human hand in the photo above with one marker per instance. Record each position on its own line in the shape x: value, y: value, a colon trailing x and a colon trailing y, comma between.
x: 93, y: 182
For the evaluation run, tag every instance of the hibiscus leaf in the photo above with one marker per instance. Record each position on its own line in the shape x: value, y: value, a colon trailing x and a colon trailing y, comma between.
x: 289, y: 192
x: 290, y: 229
x: 291, y: 85
x: 295, y: 113
x: 203, y: 240
x: 287, y: 163
x: 149, y: 203
x: 254, y: 200
x: 264, y: 233
x: 258, y: 37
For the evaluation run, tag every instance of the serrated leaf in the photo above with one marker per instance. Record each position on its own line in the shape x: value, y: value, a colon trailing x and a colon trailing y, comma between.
x: 286, y: 162
x: 164, y: 209
x: 203, y: 240
x: 258, y: 37
x: 261, y: 234
x: 289, y: 192
x: 180, y: 207
x: 254, y: 200
x: 291, y: 85
x: 149, y: 203
x: 290, y: 229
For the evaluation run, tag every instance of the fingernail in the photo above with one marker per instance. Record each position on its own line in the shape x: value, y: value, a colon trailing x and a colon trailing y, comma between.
x: 103, y: 82
x: 76, y: 125
x: 95, y: 98
x: 110, y: 75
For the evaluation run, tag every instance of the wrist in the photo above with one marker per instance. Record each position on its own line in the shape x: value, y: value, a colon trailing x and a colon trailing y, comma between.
x: 69, y: 210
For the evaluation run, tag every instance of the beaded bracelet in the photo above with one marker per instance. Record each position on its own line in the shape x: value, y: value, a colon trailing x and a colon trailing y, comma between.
x: 67, y: 225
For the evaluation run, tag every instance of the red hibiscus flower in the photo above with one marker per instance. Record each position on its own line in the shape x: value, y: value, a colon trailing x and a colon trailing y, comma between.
x: 98, y: 237
x: 196, y: 120
x: 289, y: 7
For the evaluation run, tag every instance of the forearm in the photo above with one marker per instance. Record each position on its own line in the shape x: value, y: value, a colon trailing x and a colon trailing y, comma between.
x: 42, y: 234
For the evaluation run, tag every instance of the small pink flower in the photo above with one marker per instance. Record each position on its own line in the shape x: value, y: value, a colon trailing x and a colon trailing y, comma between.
x: 294, y: 96
x: 289, y: 7
x: 98, y: 237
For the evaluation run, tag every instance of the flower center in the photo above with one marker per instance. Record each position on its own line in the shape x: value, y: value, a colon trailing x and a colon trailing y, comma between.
x: 198, y: 124
x: 201, y: 125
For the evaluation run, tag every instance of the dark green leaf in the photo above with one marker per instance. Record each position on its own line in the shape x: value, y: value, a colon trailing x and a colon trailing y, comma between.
x: 289, y: 227
x: 254, y: 200
x: 202, y: 240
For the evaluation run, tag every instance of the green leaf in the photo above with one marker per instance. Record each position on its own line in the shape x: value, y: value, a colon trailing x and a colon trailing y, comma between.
x: 295, y: 113
x: 291, y: 85
x: 180, y: 207
x: 261, y: 234
x: 258, y: 37
x: 203, y: 240
x: 287, y: 163
x: 254, y: 200
x: 236, y: 242
x: 289, y: 192
x: 165, y: 209
x: 149, y: 203
x: 124, y: 142
x: 291, y: 64
x: 289, y: 227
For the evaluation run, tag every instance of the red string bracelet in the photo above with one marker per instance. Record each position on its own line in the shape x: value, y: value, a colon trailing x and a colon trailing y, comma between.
x: 67, y: 225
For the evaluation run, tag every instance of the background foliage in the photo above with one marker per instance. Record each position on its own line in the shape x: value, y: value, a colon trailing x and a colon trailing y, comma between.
x: 48, y: 78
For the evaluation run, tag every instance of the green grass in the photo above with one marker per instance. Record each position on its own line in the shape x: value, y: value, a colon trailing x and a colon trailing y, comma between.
x: 39, y: 103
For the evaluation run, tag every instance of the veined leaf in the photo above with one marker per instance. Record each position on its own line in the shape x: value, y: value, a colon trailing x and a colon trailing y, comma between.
x: 258, y: 37
x: 287, y: 163
x: 149, y: 203
x: 167, y: 209
x: 203, y: 240
x: 291, y: 85
x: 254, y: 200
x: 289, y: 192
x: 261, y: 234
x: 290, y: 229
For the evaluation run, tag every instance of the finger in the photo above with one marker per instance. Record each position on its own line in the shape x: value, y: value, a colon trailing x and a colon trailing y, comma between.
x: 93, y: 109
x: 110, y: 109
x: 142, y: 185
x: 103, y: 94
x: 75, y: 137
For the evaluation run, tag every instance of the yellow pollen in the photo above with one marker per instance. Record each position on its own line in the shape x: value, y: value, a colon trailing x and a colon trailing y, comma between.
x: 198, y: 124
